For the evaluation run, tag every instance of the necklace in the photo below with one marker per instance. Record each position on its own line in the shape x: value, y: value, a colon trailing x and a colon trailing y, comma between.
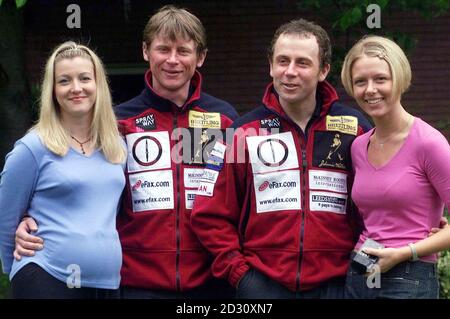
x: 381, y: 143
x: 81, y: 143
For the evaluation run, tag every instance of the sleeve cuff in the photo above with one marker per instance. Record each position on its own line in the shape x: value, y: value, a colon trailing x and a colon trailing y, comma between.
x: 237, y: 274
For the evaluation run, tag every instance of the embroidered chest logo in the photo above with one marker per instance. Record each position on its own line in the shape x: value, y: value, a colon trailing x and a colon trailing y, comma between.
x: 272, y: 152
x: 343, y: 124
x: 150, y: 150
x: 270, y: 123
x: 332, y: 150
x: 204, y: 120
x: 147, y: 123
x: 197, y: 146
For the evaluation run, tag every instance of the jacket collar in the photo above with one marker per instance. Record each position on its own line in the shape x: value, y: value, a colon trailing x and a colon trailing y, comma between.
x: 162, y: 104
x: 326, y: 95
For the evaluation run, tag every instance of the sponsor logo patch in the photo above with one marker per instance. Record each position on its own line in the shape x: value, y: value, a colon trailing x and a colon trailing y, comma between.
x: 148, y: 151
x: 332, y: 150
x: 204, y: 120
x: 147, y: 123
x: 326, y: 180
x: 214, y: 163
x: 190, y: 197
x: 270, y: 123
x: 197, y: 147
x: 277, y: 191
x: 344, y: 124
x: 206, y: 189
x: 272, y: 153
x: 328, y: 202
x: 210, y: 176
x: 152, y: 190
x: 192, y: 177
x: 141, y: 184
x: 219, y: 150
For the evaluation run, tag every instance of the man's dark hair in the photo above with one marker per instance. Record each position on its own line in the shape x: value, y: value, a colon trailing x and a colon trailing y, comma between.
x: 305, y: 29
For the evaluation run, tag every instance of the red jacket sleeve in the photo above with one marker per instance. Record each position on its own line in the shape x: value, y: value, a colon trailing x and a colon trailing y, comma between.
x: 217, y: 212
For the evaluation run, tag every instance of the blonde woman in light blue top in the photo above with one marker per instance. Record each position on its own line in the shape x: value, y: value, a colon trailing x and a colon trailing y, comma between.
x: 67, y: 174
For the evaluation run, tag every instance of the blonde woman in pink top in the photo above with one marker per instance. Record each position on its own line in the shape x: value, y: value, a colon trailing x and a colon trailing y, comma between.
x: 402, y: 178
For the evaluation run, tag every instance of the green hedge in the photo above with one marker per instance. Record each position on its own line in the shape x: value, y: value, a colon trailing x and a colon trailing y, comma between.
x: 4, y: 283
x: 444, y: 275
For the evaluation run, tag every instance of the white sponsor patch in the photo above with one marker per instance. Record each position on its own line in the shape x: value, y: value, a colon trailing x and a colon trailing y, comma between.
x: 277, y: 191
x: 272, y: 153
x: 328, y: 202
x: 192, y: 177
x: 210, y: 176
x: 330, y: 181
x: 148, y: 151
x: 152, y: 190
x: 190, y: 196
x: 218, y: 150
x: 206, y: 189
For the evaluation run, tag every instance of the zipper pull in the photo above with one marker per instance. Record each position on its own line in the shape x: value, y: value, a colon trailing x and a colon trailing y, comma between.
x: 304, y: 162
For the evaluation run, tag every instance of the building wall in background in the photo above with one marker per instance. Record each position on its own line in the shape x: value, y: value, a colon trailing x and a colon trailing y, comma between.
x: 239, y: 32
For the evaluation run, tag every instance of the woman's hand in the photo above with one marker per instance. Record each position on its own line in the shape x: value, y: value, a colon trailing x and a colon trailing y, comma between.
x: 443, y: 223
x: 389, y: 257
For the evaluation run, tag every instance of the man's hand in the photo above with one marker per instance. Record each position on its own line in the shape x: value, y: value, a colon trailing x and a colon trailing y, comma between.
x: 27, y: 244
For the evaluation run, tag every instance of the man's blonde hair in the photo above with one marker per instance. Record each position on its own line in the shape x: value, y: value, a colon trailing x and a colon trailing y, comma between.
x: 173, y: 23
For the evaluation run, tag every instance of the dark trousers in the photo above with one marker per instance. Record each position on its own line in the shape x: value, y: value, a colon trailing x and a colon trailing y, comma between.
x: 407, y: 280
x: 213, y: 289
x: 33, y: 282
x: 256, y: 285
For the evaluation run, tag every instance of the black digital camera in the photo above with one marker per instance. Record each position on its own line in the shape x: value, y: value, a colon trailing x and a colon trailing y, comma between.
x: 365, y: 262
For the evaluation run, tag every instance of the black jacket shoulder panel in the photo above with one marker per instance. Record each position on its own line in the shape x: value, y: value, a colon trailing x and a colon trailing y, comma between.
x: 132, y: 107
x: 261, y: 112
x: 341, y: 109
x: 212, y: 104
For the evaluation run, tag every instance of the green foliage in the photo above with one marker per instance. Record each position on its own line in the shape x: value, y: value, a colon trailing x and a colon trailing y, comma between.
x: 444, y: 275
x: 19, y: 3
x: 348, y: 19
x: 444, y: 271
x: 443, y: 124
x: 4, y: 285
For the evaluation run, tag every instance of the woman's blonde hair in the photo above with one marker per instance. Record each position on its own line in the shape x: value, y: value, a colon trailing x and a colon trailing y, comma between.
x: 383, y: 48
x: 104, y: 131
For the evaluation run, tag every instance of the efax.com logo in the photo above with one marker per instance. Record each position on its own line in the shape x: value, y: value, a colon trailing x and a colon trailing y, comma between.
x: 136, y: 185
x: 272, y: 185
x: 146, y: 184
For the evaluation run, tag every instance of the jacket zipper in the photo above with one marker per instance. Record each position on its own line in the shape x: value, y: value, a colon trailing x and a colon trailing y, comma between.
x: 302, y: 226
x: 303, y: 193
x: 177, y: 214
x: 303, y: 190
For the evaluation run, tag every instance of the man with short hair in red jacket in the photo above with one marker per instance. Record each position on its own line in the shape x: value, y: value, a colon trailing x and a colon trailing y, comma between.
x: 273, y: 206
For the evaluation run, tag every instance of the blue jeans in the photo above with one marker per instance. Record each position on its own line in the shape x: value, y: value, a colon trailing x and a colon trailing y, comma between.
x: 407, y: 280
x: 256, y: 285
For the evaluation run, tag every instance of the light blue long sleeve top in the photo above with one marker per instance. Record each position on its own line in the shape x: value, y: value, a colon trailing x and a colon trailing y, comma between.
x: 74, y: 199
